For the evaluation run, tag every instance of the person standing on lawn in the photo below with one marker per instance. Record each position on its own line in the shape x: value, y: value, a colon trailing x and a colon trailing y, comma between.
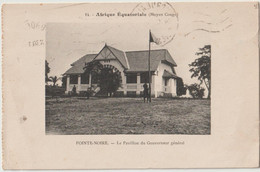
x: 145, y: 92
x: 74, y: 90
x: 89, y: 92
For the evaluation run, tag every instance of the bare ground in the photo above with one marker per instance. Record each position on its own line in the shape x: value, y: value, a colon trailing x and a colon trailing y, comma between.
x: 76, y: 115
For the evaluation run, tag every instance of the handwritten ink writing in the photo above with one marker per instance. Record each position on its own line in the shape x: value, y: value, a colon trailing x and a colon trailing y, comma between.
x: 35, y: 25
x: 36, y: 43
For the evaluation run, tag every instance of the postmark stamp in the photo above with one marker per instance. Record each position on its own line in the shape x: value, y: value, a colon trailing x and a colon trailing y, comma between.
x: 164, y: 19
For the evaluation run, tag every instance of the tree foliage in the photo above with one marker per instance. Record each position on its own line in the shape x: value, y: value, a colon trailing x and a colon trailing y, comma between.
x: 64, y: 81
x: 93, y: 67
x: 54, y: 79
x: 181, y: 90
x: 201, y: 67
x: 47, y: 70
x: 196, y: 91
x: 107, y: 79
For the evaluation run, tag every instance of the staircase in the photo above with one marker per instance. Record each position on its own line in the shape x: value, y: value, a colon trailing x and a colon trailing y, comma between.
x: 95, y: 90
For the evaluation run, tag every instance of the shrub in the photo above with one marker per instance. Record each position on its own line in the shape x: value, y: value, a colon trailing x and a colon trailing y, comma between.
x: 196, y: 91
x: 54, y: 91
x: 181, y: 90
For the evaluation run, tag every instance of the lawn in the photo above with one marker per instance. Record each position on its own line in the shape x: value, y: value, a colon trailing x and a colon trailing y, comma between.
x: 126, y: 116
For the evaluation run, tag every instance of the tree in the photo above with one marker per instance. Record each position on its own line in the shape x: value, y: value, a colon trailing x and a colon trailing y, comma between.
x: 181, y: 90
x: 94, y: 69
x: 107, y: 79
x: 201, y: 67
x: 196, y: 91
x: 54, y: 80
x: 47, y: 70
x: 110, y: 81
x: 64, y: 81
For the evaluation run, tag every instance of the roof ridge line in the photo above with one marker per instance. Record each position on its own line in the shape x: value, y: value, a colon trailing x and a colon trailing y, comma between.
x: 114, y: 48
x: 90, y: 54
x: 146, y: 50
x: 109, y: 47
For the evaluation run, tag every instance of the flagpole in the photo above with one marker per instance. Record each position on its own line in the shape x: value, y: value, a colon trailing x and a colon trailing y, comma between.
x: 149, y: 72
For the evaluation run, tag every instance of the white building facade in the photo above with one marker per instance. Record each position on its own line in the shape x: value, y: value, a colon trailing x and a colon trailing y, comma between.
x: 133, y: 68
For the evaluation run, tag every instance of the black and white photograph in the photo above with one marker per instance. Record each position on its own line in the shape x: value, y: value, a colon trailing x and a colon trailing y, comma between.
x: 127, y: 78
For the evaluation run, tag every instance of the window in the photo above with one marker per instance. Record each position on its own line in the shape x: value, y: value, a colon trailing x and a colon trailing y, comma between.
x: 84, y: 79
x: 131, y: 78
x: 145, y: 77
x: 73, y: 79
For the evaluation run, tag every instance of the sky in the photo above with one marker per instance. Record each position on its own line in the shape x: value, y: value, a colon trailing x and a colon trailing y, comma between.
x: 191, y: 30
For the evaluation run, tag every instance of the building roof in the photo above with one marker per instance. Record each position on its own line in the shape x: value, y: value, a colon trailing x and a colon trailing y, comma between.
x: 138, y: 59
x: 120, y: 56
x: 77, y: 66
x: 132, y: 61
x: 167, y: 74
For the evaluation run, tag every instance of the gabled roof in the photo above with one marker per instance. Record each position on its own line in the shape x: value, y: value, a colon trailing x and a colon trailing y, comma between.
x: 167, y: 74
x: 77, y: 66
x: 138, y: 60
x: 132, y: 61
x: 120, y: 55
x: 169, y: 58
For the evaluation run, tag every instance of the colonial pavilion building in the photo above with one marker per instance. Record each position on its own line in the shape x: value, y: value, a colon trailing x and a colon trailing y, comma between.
x: 133, y: 68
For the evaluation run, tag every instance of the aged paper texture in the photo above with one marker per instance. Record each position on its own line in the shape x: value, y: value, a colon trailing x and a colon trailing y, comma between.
x: 130, y: 85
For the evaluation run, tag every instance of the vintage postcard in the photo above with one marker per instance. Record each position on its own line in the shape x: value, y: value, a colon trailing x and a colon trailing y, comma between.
x: 130, y: 85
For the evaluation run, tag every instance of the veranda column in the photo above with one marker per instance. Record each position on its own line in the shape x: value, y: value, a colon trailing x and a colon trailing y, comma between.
x: 89, y: 80
x: 68, y: 84
x: 171, y: 84
x: 79, y: 84
x: 124, y: 83
x: 138, y: 88
x: 153, y: 86
x: 174, y: 89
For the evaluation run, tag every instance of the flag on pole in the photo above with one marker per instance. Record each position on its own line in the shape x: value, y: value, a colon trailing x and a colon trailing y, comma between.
x: 154, y: 39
